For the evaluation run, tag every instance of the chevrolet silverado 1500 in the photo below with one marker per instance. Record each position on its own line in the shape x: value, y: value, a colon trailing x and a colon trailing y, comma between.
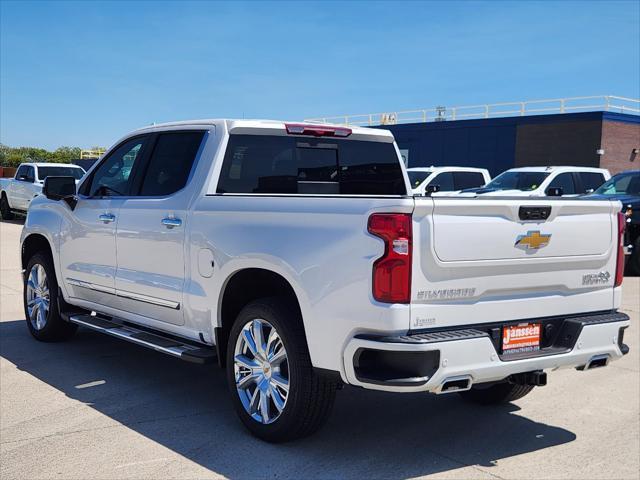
x: 296, y: 256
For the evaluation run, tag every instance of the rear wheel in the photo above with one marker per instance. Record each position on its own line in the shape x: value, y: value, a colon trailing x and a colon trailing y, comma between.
x: 5, y: 210
x: 498, y: 393
x: 274, y: 388
x: 41, y: 301
x: 633, y: 264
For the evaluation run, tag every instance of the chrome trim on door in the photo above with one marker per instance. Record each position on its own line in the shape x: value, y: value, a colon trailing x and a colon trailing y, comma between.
x: 91, y: 286
x: 121, y: 293
x: 146, y: 298
x: 107, y: 218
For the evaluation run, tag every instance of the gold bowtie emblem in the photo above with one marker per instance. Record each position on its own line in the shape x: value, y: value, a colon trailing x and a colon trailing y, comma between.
x: 533, y: 240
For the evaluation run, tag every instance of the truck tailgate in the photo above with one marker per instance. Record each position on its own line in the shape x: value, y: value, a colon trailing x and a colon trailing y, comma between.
x: 480, y: 260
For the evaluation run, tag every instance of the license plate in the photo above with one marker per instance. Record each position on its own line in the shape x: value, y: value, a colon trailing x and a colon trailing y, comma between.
x: 521, y: 338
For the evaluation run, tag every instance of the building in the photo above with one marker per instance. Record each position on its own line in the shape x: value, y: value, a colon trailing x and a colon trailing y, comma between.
x: 505, y: 137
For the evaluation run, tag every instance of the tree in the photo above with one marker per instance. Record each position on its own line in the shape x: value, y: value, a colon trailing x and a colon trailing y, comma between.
x: 13, y: 156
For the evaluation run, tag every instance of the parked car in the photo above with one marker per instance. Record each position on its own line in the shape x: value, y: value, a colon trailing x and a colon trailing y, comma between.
x: 296, y: 255
x: 16, y: 193
x: 625, y: 187
x: 543, y: 181
x: 446, y: 179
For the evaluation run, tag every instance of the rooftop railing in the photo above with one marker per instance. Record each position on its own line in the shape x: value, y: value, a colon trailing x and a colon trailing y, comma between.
x: 607, y: 103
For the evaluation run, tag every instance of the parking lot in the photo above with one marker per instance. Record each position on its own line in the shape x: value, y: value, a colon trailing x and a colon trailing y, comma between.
x: 96, y: 407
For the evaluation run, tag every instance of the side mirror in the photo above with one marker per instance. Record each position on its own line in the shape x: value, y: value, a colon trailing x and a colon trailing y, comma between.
x: 555, y: 192
x: 60, y: 188
x: 25, y: 178
x: 432, y: 189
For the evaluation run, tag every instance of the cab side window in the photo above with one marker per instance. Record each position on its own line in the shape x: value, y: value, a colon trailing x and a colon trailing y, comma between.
x: 21, y: 173
x: 25, y: 173
x: 468, y: 180
x: 444, y: 180
x: 591, y: 181
x: 171, y: 163
x: 113, y: 176
x: 565, y: 182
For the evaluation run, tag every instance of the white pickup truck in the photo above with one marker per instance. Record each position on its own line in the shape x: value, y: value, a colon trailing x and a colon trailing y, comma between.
x: 543, y: 181
x: 296, y: 255
x: 16, y: 193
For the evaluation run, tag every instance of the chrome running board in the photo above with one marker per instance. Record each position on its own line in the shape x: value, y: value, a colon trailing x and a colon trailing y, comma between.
x: 155, y: 341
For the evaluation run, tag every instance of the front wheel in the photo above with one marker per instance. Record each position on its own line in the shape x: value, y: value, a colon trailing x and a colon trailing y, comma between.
x: 41, y: 301
x: 495, y: 394
x: 274, y: 388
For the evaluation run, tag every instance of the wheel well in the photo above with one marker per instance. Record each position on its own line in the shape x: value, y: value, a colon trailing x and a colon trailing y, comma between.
x: 32, y: 244
x: 246, y: 286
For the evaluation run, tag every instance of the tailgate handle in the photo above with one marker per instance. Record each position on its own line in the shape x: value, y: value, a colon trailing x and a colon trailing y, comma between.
x: 534, y: 213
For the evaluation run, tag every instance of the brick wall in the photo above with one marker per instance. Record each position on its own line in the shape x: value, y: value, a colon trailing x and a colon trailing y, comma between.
x: 618, y: 141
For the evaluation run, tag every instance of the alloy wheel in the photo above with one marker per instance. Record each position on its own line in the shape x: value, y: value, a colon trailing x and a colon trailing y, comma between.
x: 261, y: 369
x: 38, y: 297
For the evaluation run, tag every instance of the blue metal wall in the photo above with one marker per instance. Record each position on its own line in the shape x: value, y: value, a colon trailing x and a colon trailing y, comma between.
x: 487, y: 143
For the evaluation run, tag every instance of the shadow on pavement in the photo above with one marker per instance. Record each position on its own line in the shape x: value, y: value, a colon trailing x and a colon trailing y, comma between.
x: 185, y: 408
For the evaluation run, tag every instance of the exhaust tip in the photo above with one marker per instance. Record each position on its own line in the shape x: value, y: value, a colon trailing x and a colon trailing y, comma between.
x: 598, y: 361
x: 456, y: 384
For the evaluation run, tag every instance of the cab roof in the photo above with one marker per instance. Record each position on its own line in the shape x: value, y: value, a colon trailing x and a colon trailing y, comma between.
x: 565, y: 168
x: 271, y: 127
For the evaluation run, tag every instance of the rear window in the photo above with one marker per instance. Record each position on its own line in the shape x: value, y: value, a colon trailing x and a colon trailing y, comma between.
x: 300, y: 165
x: 44, y: 172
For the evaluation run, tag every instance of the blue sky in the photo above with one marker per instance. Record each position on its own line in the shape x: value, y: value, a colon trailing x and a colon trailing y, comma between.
x: 85, y: 73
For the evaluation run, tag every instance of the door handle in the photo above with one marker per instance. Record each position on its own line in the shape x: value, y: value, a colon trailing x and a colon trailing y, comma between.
x: 171, y: 222
x: 107, y: 218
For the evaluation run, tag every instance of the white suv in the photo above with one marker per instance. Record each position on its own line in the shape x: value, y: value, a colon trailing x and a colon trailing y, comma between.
x: 446, y: 179
x: 544, y: 181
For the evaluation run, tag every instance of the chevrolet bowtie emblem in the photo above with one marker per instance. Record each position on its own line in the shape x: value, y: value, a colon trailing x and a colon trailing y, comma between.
x: 533, y: 240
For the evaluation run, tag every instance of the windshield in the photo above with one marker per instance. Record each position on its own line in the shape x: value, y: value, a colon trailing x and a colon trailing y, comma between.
x: 628, y: 184
x: 517, y: 180
x: 59, y: 171
x: 417, y: 177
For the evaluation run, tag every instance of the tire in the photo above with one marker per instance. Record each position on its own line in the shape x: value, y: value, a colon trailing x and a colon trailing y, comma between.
x: 308, y: 402
x: 633, y: 263
x: 5, y: 211
x: 43, y: 318
x: 495, y: 394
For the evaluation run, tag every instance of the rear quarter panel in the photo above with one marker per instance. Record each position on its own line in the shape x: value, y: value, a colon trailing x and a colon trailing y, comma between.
x: 320, y: 245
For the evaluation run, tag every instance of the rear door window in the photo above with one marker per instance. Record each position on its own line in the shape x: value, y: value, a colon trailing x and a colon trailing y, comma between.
x: 565, y: 182
x: 170, y: 163
x: 464, y: 180
x: 591, y: 181
x: 295, y: 165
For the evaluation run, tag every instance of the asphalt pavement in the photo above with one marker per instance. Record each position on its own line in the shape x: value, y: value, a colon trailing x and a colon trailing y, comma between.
x: 96, y: 407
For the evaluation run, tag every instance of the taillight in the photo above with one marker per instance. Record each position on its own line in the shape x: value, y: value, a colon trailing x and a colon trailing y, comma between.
x: 622, y: 221
x: 392, y: 271
x: 317, y: 130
